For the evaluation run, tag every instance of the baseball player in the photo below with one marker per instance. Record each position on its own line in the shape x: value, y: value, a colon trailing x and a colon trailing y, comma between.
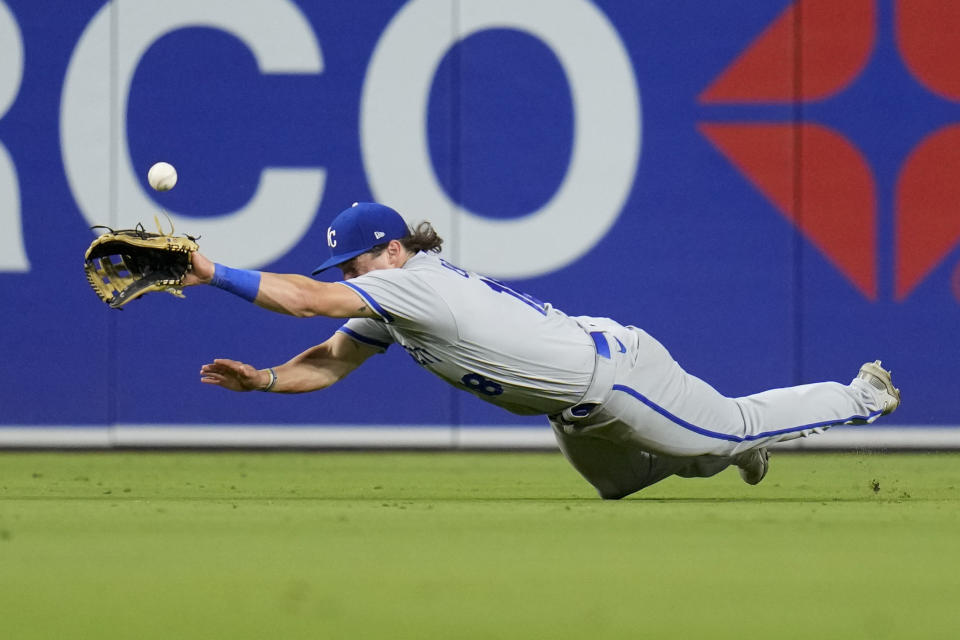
x: 623, y: 411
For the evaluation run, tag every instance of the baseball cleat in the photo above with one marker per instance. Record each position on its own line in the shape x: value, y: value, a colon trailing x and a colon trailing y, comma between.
x: 753, y: 465
x: 879, y: 378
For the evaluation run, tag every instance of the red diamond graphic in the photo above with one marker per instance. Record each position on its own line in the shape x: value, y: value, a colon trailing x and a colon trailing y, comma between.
x: 819, y: 181
x: 928, y: 194
x: 786, y: 63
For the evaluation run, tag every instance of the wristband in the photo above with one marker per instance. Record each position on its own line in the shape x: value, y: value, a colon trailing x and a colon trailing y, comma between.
x: 273, y: 380
x: 242, y: 282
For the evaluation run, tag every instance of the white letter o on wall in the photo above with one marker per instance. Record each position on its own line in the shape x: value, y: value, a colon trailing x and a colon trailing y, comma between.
x: 606, y: 138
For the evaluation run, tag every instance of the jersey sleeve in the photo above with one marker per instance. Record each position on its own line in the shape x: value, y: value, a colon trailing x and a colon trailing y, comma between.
x: 367, y: 331
x: 407, y: 299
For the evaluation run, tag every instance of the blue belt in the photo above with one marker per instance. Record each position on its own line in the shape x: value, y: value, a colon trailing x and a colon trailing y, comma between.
x: 602, y: 380
x: 600, y: 342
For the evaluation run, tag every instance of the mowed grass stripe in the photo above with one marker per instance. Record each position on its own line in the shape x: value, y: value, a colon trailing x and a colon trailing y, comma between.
x: 470, y: 545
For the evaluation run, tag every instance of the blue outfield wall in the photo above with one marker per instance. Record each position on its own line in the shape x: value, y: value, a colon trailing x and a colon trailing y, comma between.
x: 766, y: 186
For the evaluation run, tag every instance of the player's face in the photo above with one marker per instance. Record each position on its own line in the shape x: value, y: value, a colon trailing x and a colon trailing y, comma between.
x: 364, y: 263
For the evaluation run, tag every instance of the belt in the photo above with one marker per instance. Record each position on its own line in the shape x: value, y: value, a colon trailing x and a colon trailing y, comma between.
x: 601, y: 384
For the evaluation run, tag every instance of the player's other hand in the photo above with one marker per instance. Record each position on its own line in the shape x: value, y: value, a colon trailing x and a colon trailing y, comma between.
x: 233, y: 375
x: 201, y: 270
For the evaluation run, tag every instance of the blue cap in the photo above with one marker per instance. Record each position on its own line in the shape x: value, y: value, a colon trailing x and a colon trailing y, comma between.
x: 360, y: 228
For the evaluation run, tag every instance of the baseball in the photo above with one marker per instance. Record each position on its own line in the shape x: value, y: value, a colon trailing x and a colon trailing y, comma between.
x: 162, y: 176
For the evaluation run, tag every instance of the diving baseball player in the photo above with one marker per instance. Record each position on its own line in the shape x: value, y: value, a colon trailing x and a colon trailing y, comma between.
x: 624, y: 413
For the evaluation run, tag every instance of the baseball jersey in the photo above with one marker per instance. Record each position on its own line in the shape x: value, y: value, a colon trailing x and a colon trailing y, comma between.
x: 476, y: 333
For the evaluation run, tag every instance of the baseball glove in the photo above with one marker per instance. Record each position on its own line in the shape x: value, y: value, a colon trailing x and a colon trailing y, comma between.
x: 123, y: 265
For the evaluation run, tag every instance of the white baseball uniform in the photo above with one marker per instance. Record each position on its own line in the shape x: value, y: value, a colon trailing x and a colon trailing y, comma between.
x: 624, y: 412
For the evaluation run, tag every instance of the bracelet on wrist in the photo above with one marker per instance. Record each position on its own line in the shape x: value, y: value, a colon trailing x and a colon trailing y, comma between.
x: 273, y: 380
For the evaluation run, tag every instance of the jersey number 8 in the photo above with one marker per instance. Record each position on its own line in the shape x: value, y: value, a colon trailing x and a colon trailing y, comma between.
x: 478, y: 384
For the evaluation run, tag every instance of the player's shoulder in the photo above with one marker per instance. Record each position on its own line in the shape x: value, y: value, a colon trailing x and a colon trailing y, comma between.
x: 423, y: 261
x: 418, y: 271
x: 420, y: 265
x: 433, y: 264
x: 422, y: 272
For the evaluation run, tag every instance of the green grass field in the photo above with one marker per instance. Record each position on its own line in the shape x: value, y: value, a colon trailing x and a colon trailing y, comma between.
x: 472, y: 545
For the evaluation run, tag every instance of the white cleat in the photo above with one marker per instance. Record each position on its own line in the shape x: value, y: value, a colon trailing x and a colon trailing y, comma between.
x: 753, y: 464
x: 879, y: 378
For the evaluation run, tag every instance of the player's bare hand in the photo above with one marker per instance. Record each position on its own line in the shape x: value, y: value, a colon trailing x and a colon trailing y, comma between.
x: 233, y: 375
x: 201, y: 271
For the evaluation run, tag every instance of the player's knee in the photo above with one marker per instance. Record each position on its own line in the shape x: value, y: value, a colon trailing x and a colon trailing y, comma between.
x: 615, y: 486
x: 611, y: 492
x: 611, y: 496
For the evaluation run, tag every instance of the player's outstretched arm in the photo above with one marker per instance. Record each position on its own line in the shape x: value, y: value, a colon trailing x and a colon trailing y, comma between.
x: 290, y: 294
x: 314, y: 369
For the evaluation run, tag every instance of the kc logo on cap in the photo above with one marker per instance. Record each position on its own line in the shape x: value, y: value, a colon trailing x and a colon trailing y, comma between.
x: 360, y: 228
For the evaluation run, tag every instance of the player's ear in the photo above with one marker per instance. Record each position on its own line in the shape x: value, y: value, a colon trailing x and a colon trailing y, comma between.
x: 395, y: 249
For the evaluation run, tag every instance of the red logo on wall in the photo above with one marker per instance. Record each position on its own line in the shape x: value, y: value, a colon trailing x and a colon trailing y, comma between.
x: 815, y: 176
